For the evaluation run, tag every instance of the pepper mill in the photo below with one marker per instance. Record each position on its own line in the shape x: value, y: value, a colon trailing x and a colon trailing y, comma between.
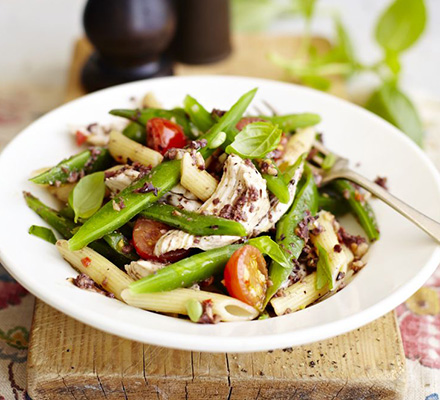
x: 131, y: 39
x: 203, y: 33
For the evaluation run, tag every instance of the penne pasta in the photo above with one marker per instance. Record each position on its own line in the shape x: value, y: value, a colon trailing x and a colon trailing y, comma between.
x: 150, y: 101
x: 122, y: 148
x: 61, y: 192
x: 198, y: 182
x: 328, y: 240
x: 301, y: 142
x: 97, y: 267
x: 303, y: 293
x: 227, y: 308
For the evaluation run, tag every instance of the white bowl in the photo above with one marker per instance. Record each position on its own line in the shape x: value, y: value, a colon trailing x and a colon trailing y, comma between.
x: 399, y: 263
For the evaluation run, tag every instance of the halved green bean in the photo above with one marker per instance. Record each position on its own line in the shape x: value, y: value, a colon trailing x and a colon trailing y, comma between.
x: 136, y: 132
x: 43, y: 233
x: 186, y: 272
x: 163, y: 177
x: 359, y: 207
x: 198, y: 115
x: 96, y: 159
x: 305, y: 200
x: 278, y: 187
x: 119, y: 243
x: 291, y: 122
x: 143, y: 116
x: 193, y: 222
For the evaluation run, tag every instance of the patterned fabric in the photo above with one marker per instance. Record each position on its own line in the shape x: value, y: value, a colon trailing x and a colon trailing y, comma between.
x: 419, y: 316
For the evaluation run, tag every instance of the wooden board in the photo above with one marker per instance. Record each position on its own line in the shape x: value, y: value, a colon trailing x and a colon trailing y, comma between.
x: 69, y: 360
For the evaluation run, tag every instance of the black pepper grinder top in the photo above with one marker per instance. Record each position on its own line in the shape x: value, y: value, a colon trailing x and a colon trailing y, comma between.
x: 131, y: 38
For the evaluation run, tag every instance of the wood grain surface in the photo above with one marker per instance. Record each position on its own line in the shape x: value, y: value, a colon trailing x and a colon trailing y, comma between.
x: 69, y: 360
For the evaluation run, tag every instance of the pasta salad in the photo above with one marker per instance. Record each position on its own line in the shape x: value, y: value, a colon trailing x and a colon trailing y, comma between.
x: 212, y: 216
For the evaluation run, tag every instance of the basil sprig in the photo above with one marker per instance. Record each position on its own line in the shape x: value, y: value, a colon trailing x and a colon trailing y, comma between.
x: 255, y: 140
x: 397, y: 29
x: 87, y: 196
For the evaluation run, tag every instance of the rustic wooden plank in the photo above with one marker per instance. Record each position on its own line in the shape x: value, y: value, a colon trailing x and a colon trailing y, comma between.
x: 68, y: 360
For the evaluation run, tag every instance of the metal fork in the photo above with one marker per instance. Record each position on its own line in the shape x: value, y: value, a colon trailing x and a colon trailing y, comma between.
x: 340, y: 170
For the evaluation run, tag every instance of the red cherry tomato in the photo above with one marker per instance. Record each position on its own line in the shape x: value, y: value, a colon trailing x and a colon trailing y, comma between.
x: 163, y: 135
x: 146, y: 233
x: 246, y: 276
x: 80, y: 138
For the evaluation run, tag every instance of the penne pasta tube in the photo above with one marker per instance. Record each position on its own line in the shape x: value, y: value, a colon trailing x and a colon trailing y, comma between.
x: 301, y: 142
x: 303, y: 293
x: 61, y: 192
x: 175, y: 301
x: 150, y: 101
x: 101, y: 270
x: 122, y: 148
x: 328, y: 240
x: 198, y: 182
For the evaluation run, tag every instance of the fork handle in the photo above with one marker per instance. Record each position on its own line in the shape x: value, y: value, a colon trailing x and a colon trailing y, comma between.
x: 431, y: 227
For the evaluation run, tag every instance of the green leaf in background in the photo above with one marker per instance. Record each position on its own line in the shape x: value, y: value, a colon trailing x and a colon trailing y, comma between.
x: 43, y: 233
x: 87, y: 196
x: 401, y: 24
x: 255, y: 140
x: 343, y: 46
x: 272, y: 249
x: 393, y: 62
x: 256, y: 15
x: 323, y: 269
x: 394, y: 106
x: 306, y: 7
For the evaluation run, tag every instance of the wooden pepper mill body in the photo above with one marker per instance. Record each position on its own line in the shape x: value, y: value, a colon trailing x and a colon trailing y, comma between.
x: 131, y: 38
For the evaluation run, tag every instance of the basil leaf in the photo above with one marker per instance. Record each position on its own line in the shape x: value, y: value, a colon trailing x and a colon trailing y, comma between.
x: 43, y: 233
x: 87, y: 196
x: 394, y: 106
x: 267, y: 246
x: 323, y: 269
x: 255, y: 140
x: 291, y: 122
x: 401, y: 25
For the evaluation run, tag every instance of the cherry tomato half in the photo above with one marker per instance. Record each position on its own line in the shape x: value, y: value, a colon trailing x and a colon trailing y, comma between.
x: 146, y: 233
x: 163, y: 135
x: 246, y: 276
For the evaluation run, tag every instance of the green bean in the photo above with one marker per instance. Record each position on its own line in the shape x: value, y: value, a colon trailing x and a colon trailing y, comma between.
x: 227, y: 123
x: 163, y: 177
x: 186, y: 272
x: 143, y: 116
x: 43, y: 233
x: 291, y: 122
x: 118, y: 242
x: 60, y: 223
x: 193, y: 222
x: 96, y: 159
x: 306, y: 200
x: 198, y: 115
x: 333, y: 202
x: 359, y: 207
x: 278, y: 187
x: 67, y: 228
x: 136, y: 132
